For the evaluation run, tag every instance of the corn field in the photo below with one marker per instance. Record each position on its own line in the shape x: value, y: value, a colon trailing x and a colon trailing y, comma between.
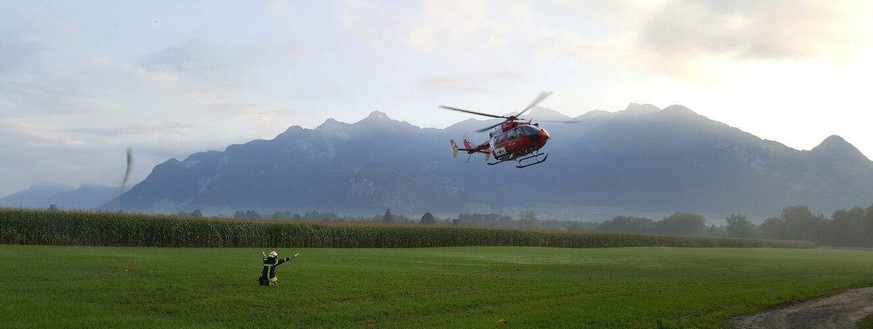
x: 19, y: 226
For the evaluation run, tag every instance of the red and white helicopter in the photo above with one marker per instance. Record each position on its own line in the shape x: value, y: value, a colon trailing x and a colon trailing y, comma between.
x: 513, y: 139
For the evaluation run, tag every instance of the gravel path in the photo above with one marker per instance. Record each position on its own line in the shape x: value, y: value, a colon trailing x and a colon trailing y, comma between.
x: 841, y: 311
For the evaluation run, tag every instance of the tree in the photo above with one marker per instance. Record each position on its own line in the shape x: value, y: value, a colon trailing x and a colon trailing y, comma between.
x: 388, y: 217
x: 773, y: 228
x: 628, y: 224
x: 739, y: 227
x: 197, y: 213
x: 867, y: 240
x: 486, y: 220
x: 715, y: 231
x: 427, y: 219
x: 682, y: 224
x: 53, y: 207
x: 847, y: 227
x: 528, y: 219
x: 801, y: 224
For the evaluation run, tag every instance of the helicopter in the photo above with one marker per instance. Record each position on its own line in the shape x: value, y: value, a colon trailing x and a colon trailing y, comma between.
x: 513, y: 139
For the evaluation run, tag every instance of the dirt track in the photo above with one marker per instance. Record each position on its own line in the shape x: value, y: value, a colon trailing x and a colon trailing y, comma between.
x: 841, y: 311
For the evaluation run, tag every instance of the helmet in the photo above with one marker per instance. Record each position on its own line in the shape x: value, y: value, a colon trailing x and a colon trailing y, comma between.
x: 273, y: 254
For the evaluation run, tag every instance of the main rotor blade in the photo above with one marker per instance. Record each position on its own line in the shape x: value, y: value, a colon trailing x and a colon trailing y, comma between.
x: 471, y: 112
x: 540, y: 98
x: 558, y: 121
x: 126, y: 176
x: 489, y: 127
x: 126, y: 171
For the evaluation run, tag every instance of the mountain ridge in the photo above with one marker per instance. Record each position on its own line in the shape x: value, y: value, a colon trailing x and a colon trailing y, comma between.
x: 86, y: 196
x: 643, y: 159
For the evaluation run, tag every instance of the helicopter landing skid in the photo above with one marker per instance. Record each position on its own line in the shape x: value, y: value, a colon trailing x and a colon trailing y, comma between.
x: 535, y: 156
x: 520, y: 161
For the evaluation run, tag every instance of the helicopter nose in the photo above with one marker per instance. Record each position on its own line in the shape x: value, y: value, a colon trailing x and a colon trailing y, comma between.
x: 544, y: 134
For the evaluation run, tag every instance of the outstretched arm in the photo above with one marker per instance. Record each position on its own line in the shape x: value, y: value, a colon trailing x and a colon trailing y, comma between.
x: 283, y: 260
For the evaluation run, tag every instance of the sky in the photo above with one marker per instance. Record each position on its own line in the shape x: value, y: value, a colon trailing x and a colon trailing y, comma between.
x: 81, y: 81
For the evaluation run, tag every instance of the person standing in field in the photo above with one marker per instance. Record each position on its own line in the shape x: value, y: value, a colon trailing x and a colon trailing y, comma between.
x: 268, y: 274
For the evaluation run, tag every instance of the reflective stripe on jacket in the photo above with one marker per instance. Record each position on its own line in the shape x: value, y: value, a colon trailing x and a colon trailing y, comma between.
x: 269, y: 271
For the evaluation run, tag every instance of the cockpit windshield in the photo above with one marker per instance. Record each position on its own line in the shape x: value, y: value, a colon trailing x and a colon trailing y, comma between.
x: 530, y: 130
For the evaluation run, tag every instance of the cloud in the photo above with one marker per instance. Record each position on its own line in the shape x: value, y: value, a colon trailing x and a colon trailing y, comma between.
x: 262, y: 119
x: 195, y: 55
x: 449, y: 84
x: 29, y: 97
x: 381, y: 25
x: 225, y: 70
x: 686, y: 39
x: 612, y: 50
x: 133, y: 130
x: 33, y: 149
x: 122, y: 104
x: 271, y: 120
x: 435, y: 24
x: 449, y: 23
x: 33, y: 135
x: 684, y: 31
x: 279, y: 10
x: 99, y: 89
x: 16, y: 51
x: 45, y: 155
x: 199, y: 58
x: 469, y: 24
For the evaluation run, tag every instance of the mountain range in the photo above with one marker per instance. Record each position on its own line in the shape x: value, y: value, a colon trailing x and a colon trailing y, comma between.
x: 640, y: 161
x: 86, y: 196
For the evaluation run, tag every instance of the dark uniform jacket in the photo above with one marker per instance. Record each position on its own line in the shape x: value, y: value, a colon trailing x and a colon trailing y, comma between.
x: 269, y: 272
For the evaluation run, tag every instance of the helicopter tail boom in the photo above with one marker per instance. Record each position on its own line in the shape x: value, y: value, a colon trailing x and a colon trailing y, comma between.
x: 469, y: 148
x: 467, y: 144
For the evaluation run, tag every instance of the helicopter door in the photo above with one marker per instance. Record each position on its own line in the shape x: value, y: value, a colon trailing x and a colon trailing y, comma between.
x: 512, y: 139
x: 497, y: 148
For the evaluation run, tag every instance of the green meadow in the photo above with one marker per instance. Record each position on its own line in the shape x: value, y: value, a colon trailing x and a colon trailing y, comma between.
x: 457, y: 287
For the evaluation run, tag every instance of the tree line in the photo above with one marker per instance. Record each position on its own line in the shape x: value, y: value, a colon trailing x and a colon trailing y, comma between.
x: 317, y: 216
x: 676, y: 224
x: 527, y: 220
x: 845, y: 228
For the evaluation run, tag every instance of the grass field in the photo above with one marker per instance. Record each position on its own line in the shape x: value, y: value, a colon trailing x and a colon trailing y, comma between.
x: 51, y: 287
x: 867, y: 323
